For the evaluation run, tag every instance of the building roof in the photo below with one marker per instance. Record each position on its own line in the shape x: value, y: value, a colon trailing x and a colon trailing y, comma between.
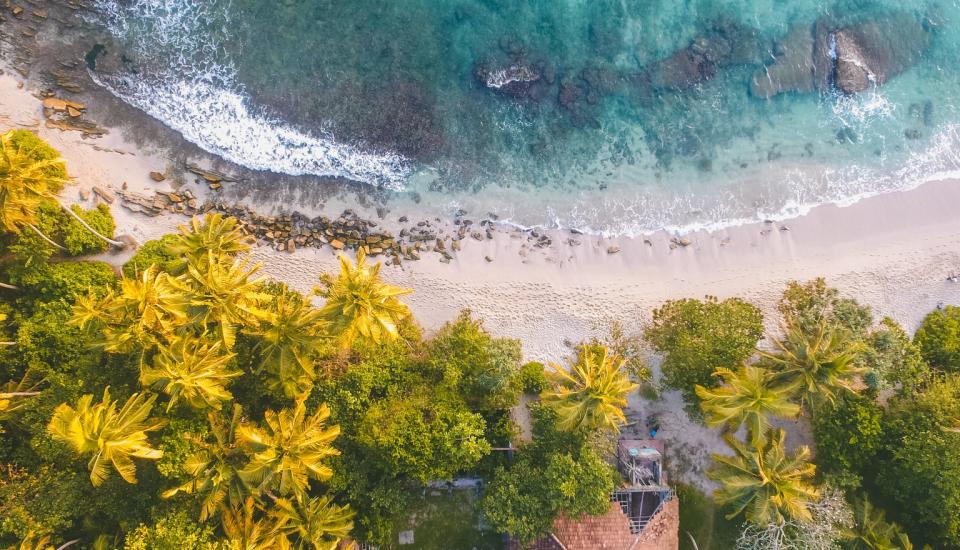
x: 610, y: 531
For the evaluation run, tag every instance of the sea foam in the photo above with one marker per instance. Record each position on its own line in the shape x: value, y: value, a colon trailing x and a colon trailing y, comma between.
x: 197, y: 94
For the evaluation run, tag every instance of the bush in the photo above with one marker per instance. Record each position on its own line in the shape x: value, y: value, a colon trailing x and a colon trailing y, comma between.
x: 78, y: 240
x: 68, y: 280
x: 939, y: 339
x: 893, y: 359
x: 532, y: 378
x: 155, y: 252
x: 808, y: 303
x: 848, y: 436
x: 697, y: 337
x: 174, y: 531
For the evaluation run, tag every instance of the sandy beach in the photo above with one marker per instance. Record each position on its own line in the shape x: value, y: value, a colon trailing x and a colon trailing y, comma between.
x: 893, y: 252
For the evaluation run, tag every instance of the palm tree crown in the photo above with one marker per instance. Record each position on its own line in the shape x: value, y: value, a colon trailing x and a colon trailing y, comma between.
x: 246, y: 532
x: 819, y: 364
x: 111, y: 436
x: 750, y: 396
x: 289, y: 450
x: 592, y: 392
x: 192, y: 370
x: 30, y: 173
x: 217, y: 235
x: 764, y: 483
x: 291, y: 333
x: 317, y: 523
x: 359, y: 304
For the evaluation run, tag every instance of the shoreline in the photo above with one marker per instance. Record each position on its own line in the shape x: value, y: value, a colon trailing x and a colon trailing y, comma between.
x: 892, y: 251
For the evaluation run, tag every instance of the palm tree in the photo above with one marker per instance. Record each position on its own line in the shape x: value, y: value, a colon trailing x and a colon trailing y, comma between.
x: 192, y: 370
x: 245, y: 532
x: 146, y: 310
x: 289, y: 450
x: 750, y: 396
x: 291, y: 333
x: 14, y: 396
x: 870, y: 530
x: 223, y: 293
x: 819, y: 365
x: 217, y: 235
x: 109, y: 435
x: 30, y: 175
x: 764, y: 483
x: 215, y: 468
x: 359, y: 305
x: 317, y: 523
x: 592, y: 392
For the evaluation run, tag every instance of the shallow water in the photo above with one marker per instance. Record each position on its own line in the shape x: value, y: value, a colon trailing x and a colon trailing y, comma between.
x: 396, y: 94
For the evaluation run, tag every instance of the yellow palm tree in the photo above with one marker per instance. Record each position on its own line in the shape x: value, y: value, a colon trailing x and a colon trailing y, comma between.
x: 592, y: 392
x: 315, y: 523
x: 215, y: 468
x: 192, y: 370
x: 750, y: 396
x: 223, y: 295
x: 14, y: 396
x: 359, y: 305
x: 147, y: 310
x: 30, y: 175
x: 819, y: 364
x: 288, y: 450
x: 765, y: 483
x: 216, y: 234
x: 291, y: 332
x: 245, y: 531
x: 110, y: 436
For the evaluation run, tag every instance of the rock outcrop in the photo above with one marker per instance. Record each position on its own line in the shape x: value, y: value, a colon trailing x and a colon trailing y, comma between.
x: 793, y: 68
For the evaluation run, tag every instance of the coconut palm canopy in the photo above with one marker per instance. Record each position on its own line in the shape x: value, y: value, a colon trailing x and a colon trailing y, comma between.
x: 317, y: 523
x: 110, y: 436
x: 289, y: 450
x: 359, y: 305
x: 217, y: 235
x: 31, y: 172
x: 765, y: 483
x: 591, y: 392
x: 191, y: 370
x: 819, y: 364
x: 750, y: 396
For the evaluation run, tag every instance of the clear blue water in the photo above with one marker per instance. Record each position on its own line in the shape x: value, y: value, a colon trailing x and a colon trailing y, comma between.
x: 396, y: 94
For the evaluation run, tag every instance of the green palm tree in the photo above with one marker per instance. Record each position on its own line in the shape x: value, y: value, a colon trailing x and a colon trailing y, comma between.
x: 217, y: 235
x: 819, y: 365
x: 751, y: 396
x: 359, y: 305
x: 30, y: 175
x: 110, y: 436
x: 592, y: 392
x: 765, y: 484
x: 245, y: 531
x: 223, y: 295
x: 315, y: 523
x: 291, y: 333
x: 288, y: 450
x: 192, y: 370
x: 147, y: 310
x: 872, y: 531
x: 215, y: 468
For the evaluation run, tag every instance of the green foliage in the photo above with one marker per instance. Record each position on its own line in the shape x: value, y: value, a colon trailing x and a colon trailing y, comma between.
x: 532, y: 377
x: 806, y: 304
x: 68, y: 281
x: 701, y: 518
x: 78, y: 240
x: 156, y: 252
x: 555, y: 474
x: 423, y: 437
x: 939, y: 339
x: 917, y: 471
x: 893, y: 360
x: 177, y: 447
x: 40, y: 150
x: 696, y: 337
x: 485, y: 368
x: 848, y: 435
x: 173, y: 531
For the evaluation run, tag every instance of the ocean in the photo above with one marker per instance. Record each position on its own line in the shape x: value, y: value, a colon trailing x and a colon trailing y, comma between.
x: 618, y: 117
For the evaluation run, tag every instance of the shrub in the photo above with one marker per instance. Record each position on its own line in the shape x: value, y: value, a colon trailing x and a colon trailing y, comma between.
x: 155, y: 252
x: 532, y: 378
x: 939, y: 339
x: 77, y: 239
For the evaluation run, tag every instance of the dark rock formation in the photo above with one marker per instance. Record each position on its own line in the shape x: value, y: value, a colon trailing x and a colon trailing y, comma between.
x: 723, y: 44
x: 515, y: 80
x: 873, y: 52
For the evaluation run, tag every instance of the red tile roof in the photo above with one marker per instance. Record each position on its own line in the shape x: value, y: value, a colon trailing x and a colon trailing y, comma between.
x: 611, y: 531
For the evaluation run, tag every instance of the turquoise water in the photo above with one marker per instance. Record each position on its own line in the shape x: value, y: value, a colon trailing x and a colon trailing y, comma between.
x: 398, y: 94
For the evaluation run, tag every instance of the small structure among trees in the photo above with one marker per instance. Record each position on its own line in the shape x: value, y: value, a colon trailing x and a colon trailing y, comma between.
x: 643, y: 514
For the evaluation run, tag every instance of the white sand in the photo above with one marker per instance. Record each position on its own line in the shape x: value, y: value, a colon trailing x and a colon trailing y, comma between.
x: 893, y: 252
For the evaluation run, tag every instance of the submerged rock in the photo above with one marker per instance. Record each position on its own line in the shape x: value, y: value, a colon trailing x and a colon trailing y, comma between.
x: 871, y: 53
x: 793, y: 68
x: 724, y: 44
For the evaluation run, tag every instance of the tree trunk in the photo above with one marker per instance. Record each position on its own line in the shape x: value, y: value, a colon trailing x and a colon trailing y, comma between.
x: 8, y: 343
x: 11, y: 287
x: 44, y: 237
x: 21, y: 393
x: 70, y: 211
